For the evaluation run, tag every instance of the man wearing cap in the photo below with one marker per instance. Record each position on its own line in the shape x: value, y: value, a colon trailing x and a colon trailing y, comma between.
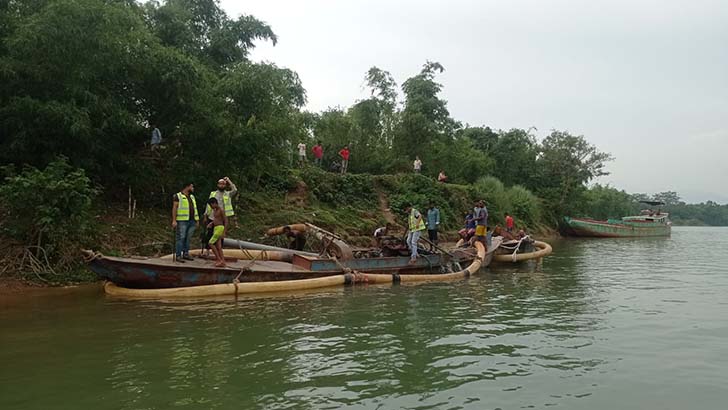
x: 224, y: 198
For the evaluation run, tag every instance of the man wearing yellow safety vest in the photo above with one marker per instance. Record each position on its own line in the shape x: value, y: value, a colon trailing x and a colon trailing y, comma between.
x: 184, y: 219
x: 224, y: 196
x: 225, y: 199
x: 416, y: 225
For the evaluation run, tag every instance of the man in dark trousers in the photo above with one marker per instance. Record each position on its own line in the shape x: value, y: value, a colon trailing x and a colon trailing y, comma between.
x: 184, y: 220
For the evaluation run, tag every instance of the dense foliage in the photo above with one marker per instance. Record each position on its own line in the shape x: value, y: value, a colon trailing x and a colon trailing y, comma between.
x: 48, y: 212
x: 90, y: 79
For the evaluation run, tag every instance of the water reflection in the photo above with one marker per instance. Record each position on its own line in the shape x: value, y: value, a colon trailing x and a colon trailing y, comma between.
x: 516, y: 335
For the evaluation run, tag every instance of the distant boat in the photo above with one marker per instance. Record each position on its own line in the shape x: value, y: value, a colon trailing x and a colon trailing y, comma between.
x: 648, y: 223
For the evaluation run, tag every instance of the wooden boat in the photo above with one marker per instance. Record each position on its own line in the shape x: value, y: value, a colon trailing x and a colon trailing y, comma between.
x: 648, y: 223
x: 263, y: 269
x: 263, y: 266
x: 348, y: 278
x: 524, y: 249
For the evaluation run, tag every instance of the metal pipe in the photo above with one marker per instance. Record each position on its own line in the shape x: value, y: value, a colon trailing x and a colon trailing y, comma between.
x: 238, y: 244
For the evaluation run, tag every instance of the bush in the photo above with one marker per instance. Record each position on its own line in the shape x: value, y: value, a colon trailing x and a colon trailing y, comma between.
x: 525, y: 207
x: 48, y: 211
x: 491, y: 190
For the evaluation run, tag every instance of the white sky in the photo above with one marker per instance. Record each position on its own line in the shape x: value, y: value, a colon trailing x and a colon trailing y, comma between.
x: 644, y: 80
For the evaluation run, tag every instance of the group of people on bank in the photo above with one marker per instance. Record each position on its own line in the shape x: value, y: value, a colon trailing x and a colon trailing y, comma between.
x: 318, y: 157
x: 215, y: 220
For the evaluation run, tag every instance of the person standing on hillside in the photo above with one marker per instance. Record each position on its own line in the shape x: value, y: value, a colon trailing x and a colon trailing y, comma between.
x: 509, y: 223
x: 344, y: 154
x: 417, y: 165
x: 184, y: 220
x: 318, y: 154
x: 156, y: 137
x: 301, y: 153
x: 416, y: 224
x: 433, y: 223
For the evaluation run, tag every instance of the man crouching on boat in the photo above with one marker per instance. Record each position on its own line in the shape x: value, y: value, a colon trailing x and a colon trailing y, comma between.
x: 218, y: 224
x: 416, y: 227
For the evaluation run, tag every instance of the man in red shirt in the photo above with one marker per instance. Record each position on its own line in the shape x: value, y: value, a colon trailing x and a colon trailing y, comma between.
x: 318, y: 153
x: 509, y: 223
x: 344, y: 154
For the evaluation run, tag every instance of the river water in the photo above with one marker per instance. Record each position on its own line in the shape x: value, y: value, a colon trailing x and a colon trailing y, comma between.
x: 604, y: 324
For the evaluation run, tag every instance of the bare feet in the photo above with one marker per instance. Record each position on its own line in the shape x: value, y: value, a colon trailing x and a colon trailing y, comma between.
x: 220, y: 264
x: 412, y: 261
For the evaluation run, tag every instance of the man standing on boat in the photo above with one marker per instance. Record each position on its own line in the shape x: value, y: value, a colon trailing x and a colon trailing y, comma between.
x: 224, y: 194
x: 480, y: 216
x: 433, y: 223
x: 416, y: 225
x: 184, y: 220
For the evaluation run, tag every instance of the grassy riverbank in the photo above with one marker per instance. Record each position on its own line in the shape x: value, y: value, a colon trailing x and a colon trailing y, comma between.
x: 350, y: 205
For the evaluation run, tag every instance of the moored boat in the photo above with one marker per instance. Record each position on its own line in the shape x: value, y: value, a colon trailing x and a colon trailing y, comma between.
x: 266, y: 270
x: 648, y: 224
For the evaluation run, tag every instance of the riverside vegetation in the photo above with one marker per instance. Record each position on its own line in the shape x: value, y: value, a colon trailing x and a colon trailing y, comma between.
x: 82, y: 81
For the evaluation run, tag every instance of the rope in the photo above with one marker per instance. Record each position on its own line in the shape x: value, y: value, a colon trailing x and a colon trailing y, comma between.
x: 88, y: 257
x: 515, y: 247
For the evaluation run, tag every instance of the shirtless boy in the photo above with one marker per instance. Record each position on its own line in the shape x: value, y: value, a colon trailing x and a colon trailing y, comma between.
x: 219, y: 222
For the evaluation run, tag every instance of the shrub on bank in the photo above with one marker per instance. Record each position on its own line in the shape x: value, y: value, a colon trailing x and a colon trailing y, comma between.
x: 49, y: 213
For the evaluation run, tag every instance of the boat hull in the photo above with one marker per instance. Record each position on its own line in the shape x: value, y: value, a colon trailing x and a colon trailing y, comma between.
x: 608, y: 229
x: 155, y: 273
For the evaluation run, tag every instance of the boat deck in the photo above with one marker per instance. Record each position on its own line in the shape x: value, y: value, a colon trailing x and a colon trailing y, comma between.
x: 262, y: 266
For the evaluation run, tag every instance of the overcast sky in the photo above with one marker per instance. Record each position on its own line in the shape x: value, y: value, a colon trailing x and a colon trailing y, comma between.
x: 644, y: 80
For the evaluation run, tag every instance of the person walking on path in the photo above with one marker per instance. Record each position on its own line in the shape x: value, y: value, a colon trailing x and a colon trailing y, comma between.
x: 442, y: 177
x: 301, y: 153
x: 480, y: 216
x: 417, y: 165
x: 218, y: 224
x: 344, y: 154
x: 509, y: 223
x: 433, y: 223
x: 156, y: 137
x: 416, y: 224
x: 184, y: 220
x: 318, y: 154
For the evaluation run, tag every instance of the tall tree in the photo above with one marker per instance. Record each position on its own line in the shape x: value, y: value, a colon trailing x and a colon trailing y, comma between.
x: 567, y: 163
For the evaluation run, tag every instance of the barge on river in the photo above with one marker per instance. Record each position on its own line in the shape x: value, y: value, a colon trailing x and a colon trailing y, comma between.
x: 648, y: 224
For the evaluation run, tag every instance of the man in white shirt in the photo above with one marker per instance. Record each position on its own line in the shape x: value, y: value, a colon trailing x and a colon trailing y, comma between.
x: 417, y: 165
x: 301, y: 153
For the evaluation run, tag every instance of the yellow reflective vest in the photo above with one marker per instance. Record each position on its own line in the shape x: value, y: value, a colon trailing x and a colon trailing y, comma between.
x: 183, y: 209
x: 227, y: 205
x: 414, y: 225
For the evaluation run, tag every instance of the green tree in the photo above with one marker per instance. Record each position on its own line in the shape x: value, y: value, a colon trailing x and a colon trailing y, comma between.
x: 567, y: 163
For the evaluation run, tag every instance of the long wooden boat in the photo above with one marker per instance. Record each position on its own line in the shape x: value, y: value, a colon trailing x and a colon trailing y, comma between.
x: 349, y: 278
x: 648, y: 223
x: 627, y: 227
x: 262, y: 266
